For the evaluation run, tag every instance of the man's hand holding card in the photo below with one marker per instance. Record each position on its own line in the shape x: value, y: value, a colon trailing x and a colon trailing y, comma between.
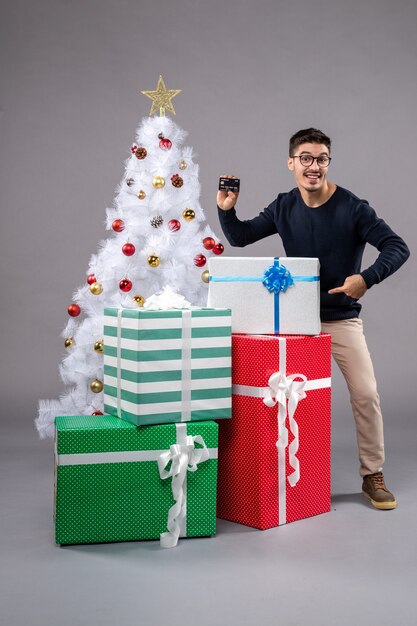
x: 228, y: 192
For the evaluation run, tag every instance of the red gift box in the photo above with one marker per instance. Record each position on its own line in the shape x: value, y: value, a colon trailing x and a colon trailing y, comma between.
x: 274, y: 454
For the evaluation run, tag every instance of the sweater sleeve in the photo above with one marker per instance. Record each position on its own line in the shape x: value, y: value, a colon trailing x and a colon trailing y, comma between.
x: 393, y: 251
x: 244, y: 232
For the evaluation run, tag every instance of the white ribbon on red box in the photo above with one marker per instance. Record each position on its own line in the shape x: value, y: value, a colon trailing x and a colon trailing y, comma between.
x: 284, y: 389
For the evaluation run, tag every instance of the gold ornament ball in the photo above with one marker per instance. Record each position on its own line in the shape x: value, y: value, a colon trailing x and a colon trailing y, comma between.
x: 69, y: 342
x: 96, y: 289
x: 99, y: 346
x: 183, y: 165
x: 140, y: 300
x: 141, y: 194
x: 188, y: 214
x: 153, y: 260
x: 96, y: 386
x: 205, y: 276
x: 158, y: 182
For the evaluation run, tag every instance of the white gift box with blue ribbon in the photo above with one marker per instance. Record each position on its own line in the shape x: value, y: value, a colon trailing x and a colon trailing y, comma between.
x: 279, y: 295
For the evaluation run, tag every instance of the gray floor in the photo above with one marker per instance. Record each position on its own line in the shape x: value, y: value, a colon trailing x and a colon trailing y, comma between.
x: 352, y: 566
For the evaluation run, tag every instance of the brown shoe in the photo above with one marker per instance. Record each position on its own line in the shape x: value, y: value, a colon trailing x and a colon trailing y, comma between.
x: 373, y: 487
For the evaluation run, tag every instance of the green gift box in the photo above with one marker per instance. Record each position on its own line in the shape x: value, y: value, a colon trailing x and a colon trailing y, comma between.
x: 117, y: 482
x: 167, y: 366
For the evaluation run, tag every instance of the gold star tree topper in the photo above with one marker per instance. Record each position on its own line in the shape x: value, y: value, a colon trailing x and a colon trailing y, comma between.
x: 162, y: 97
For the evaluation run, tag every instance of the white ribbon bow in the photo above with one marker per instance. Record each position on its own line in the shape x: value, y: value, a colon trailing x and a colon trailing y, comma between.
x: 182, y: 457
x: 280, y: 389
x: 165, y: 299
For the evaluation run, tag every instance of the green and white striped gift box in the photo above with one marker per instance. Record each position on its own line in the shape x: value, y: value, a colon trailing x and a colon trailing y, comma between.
x: 167, y: 366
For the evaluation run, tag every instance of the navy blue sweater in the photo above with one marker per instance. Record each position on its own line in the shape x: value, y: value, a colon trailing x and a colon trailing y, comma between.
x: 336, y: 232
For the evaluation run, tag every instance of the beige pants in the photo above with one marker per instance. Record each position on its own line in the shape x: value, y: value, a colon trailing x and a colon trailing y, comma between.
x: 351, y: 353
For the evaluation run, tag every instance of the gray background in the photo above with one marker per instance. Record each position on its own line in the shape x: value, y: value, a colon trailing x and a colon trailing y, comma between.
x: 252, y: 73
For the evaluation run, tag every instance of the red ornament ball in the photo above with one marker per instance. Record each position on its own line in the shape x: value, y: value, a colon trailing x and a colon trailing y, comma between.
x: 209, y: 243
x: 91, y: 279
x: 218, y: 248
x: 125, y: 285
x: 174, y: 225
x: 118, y: 225
x: 97, y: 413
x: 128, y: 249
x: 165, y: 144
x: 200, y: 260
x: 74, y: 310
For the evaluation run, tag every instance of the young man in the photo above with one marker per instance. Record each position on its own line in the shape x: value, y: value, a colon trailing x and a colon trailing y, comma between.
x: 320, y: 219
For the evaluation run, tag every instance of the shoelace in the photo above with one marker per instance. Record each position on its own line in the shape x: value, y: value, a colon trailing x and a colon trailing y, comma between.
x: 378, y: 481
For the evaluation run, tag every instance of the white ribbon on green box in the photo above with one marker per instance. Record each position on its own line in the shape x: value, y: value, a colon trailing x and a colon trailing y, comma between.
x: 284, y: 390
x: 182, y: 457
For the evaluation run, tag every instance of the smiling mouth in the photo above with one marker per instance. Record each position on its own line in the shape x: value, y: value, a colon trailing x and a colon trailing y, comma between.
x: 312, y: 177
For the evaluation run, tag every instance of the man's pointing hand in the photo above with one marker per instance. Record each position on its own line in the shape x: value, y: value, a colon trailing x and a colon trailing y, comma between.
x: 354, y: 287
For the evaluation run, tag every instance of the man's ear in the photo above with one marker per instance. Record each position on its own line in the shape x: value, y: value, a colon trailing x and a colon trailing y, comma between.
x: 290, y: 164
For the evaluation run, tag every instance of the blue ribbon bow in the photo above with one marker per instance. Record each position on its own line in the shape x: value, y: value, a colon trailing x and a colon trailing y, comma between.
x: 277, y: 278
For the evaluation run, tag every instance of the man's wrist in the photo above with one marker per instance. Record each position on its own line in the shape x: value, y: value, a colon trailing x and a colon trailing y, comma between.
x: 370, y: 277
x: 227, y: 212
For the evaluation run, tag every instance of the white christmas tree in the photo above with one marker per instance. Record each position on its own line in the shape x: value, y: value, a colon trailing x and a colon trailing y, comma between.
x: 158, y: 237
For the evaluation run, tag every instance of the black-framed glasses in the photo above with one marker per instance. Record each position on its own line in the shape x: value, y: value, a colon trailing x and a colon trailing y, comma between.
x: 307, y: 159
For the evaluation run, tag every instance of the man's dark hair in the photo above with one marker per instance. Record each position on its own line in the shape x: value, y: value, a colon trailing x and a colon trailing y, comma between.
x: 309, y: 135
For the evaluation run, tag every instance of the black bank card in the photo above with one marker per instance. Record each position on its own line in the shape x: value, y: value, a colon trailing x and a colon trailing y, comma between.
x: 229, y: 184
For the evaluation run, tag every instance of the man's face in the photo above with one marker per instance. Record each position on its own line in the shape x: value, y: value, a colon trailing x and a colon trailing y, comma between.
x: 312, y: 177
